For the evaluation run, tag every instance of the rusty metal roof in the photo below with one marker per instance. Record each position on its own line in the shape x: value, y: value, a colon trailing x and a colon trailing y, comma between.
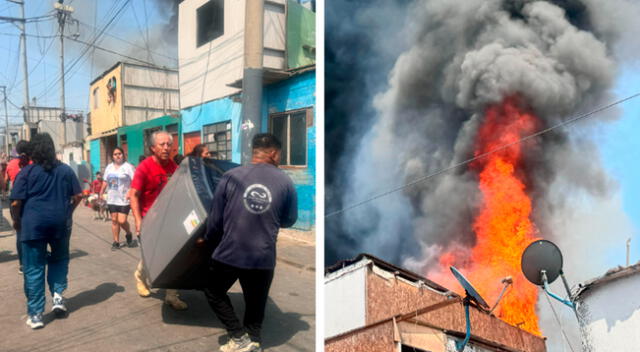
x: 613, y: 274
x: 398, y: 271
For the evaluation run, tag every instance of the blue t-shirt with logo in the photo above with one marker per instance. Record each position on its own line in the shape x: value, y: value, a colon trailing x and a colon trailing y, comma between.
x: 250, y: 205
x: 46, y: 197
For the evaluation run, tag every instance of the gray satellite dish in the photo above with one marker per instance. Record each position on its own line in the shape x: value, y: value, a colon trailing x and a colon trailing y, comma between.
x: 541, y: 264
x: 538, y: 256
x: 471, y: 291
x: 472, y: 295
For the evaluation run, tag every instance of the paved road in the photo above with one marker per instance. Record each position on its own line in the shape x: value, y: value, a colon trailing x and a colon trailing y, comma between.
x: 106, y: 314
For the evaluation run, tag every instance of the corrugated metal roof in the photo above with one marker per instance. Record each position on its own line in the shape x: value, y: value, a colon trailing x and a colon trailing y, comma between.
x: 613, y: 274
x: 398, y: 271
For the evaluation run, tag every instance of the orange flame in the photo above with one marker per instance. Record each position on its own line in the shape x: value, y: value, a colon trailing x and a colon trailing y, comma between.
x: 503, y: 226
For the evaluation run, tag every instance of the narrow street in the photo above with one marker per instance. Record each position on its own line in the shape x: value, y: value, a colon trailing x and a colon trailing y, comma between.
x: 106, y: 313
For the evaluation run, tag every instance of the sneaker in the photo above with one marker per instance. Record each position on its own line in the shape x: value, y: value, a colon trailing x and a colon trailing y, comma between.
x: 59, y: 307
x: 35, y: 321
x: 129, y: 240
x: 20, y: 270
x: 115, y: 245
x: 237, y: 344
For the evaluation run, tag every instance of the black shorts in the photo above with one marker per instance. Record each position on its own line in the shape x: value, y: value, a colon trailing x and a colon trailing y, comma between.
x: 124, y: 209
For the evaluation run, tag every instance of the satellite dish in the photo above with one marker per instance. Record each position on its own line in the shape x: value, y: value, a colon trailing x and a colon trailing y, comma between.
x: 472, y: 295
x: 538, y: 256
x: 471, y: 291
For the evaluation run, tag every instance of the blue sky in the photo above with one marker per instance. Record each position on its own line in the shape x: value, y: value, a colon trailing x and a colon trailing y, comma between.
x: 620, y: 150
x: 125, y: 35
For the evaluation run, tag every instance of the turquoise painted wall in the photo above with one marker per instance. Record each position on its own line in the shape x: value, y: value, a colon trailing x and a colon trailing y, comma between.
x: 94, y: 156
x: 295, y: 93
x: 220, y: 110
x: 135, y: 136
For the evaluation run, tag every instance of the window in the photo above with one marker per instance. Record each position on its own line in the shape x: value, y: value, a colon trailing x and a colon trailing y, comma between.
x: 210, y: 17
x: 291, y: 129
x: 217, y: 137
x: 96, y: 98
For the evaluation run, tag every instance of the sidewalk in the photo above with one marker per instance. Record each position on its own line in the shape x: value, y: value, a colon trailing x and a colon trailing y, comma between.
x: 106, y: 314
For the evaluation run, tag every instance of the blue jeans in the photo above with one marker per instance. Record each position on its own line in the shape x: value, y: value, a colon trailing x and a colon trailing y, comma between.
x: 34, y: 260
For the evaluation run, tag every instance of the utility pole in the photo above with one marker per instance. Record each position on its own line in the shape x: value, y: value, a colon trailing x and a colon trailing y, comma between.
x: 23, y: 42
x: 252, y: 75
x: 63, y: 13
x: 6, y: 121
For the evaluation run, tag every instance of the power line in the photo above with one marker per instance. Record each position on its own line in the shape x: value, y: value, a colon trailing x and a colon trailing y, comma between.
x: 95, y: 39
x: 483, y: 155
x: 566, y: 338
x: 204, y: 82
x: 130, y: 43
x: 109, y: 51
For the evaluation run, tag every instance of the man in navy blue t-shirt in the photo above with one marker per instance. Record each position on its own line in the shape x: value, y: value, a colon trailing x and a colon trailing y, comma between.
x: 250, y: 205
x: 44, y: 196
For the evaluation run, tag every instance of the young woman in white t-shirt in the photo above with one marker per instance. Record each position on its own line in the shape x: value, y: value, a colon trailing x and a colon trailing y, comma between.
x: 117, y: 182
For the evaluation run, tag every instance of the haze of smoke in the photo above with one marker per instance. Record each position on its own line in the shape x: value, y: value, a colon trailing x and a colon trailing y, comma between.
x: 358, y: 55
x: 560, y: 57
x: 162, y: 37
x: 463, y: 57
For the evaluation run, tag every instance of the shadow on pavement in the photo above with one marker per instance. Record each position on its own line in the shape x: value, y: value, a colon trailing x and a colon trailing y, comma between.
x: 277, y: 329
x: 77, y: 253
x: 99, y: 294
x: 7, y: 256
x: 6, y: 225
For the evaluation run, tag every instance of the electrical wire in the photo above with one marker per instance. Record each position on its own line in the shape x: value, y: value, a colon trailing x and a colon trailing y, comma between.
x: 483, y: 155
x: 69, y: 73
x: 109, y: 51
x: 564, y: 334
x: 128, y: 42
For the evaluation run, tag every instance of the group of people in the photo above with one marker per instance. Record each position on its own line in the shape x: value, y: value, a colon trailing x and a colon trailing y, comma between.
x: 251, y: 203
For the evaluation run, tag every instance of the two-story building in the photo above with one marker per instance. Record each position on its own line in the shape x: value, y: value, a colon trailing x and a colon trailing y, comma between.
x: 128, y: 94
x: 67, y: 131
x: 211, y: 59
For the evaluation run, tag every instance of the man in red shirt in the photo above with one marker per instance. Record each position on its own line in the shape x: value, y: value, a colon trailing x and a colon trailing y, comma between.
x: 97, y: 183
x: 148, y: 181
x: 15, y: 165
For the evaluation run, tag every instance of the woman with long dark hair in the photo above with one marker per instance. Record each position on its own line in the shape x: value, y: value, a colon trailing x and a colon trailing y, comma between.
x: 200, y: 151
x: 43, y: 199
x: 117, y: 182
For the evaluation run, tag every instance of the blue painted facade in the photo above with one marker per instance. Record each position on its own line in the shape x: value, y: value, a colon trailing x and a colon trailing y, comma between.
x: 224, y: 109
x: 298, y: 92
x: 94, y: 156
x: 295, y: 93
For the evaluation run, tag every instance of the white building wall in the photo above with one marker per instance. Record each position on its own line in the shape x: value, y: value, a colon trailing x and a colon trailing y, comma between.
x: 612, y: 316
x: 76, y: 131
x: 72, y: 154
x: 148, y: 93
x: 220, y: 61
x: 346, y: 290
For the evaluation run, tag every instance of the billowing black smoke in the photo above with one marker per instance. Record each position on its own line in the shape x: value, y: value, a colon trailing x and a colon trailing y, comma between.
x: 423, y: 112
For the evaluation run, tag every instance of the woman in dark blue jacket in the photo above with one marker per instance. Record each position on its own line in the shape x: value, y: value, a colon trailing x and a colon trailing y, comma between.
x: 43, y: 198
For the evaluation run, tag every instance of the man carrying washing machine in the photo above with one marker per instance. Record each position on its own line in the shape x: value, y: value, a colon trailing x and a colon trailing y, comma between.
x: 149, y: 179
x: 250, y: 205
